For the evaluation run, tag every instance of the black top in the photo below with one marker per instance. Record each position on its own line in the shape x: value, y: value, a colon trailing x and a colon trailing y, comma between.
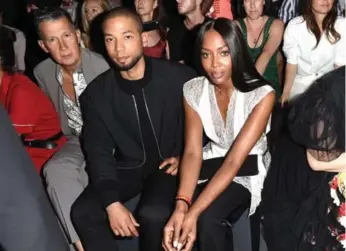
x: 136, y: 89
x: 182, y: 41
x: 296, y: 198
x: 317, y: 115
x: 111, y: 136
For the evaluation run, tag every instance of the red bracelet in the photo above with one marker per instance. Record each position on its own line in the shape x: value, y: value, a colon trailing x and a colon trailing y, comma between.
x: 185, y: 199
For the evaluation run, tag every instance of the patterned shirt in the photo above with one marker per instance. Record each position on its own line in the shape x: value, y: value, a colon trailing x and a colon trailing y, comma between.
x: 72, y: 108
x: 290, y: 9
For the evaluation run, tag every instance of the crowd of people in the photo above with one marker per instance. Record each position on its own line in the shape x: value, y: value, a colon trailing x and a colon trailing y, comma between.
x: 164, y: 127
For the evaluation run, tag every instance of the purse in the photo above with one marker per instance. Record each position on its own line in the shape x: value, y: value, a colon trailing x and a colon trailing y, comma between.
x: 211, y: 166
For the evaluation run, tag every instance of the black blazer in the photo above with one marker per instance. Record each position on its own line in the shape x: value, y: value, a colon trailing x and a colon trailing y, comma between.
x: 111, y: 134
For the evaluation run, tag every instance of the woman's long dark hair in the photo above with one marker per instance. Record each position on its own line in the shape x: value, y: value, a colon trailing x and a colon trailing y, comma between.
x: 7, y: 56
x: 245, y: 77
x: 328, y: 24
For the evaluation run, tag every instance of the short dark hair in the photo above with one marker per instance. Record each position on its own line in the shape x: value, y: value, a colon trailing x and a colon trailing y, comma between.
x: 245, y: 77
x: 7, y: 56
x: 50, y: 14
x: 124, y: 12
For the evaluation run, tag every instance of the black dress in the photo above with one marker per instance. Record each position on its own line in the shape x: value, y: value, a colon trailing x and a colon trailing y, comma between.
x: 296, y: 198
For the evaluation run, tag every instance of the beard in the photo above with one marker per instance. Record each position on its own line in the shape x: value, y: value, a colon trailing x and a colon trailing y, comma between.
x: 128, y: 66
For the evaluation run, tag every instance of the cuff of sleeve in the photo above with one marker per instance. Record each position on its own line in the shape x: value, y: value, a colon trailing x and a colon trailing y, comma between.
x: 108, y: 193
x: 23, y: 128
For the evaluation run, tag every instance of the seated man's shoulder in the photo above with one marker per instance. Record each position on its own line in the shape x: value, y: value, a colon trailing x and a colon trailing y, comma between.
x: 98, y: 85
x: 173, y: 70
x: 95, y: 58
x: 93, y: 55
x: 45, y: 65
x: 93, y: 63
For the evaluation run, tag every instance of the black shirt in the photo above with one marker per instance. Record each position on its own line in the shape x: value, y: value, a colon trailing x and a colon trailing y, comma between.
x: 182, y: 41
x: 150, y: 144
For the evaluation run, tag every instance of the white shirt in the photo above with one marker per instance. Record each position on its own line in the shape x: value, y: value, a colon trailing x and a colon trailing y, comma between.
x: 299, y: 48
x: 200, y: 95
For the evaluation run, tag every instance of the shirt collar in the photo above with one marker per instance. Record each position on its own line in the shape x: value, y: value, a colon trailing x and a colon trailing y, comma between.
x: 79, y: 70
x: 134, y: 86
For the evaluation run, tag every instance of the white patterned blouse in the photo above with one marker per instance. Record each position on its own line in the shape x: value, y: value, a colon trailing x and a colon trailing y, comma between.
x: 199, y: 93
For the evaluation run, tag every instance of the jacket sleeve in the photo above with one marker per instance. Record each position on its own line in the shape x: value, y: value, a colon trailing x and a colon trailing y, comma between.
x: 98, y: 147
x: 39, y: 80
x: 23, y: 106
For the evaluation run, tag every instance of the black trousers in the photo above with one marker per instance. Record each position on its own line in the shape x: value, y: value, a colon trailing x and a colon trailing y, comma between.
x: 157, y: 202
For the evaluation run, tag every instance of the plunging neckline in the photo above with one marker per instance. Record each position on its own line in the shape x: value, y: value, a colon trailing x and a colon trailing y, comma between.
x: 229, y: 106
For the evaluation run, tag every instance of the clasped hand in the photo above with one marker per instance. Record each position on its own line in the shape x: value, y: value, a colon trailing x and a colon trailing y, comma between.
x: 181, y: 230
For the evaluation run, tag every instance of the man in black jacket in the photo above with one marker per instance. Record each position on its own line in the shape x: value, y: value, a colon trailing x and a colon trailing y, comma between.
x: 133, y: 133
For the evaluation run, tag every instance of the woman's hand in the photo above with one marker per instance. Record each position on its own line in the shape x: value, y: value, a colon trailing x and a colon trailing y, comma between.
x: 172, y: 229
x: 188, y: 232
x: 284, y: 98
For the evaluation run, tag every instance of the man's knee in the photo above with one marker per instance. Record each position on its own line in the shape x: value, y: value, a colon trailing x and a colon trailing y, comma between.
x: 153, y: 214
x: 84, y: 210
x: 52, y: 172
x: 58, y: 173
x: 79, y: 212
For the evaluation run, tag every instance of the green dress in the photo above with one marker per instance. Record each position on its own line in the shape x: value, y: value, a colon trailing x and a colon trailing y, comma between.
x: 271, y: 72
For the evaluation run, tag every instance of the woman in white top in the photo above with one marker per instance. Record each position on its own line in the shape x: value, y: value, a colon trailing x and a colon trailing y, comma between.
x: 314, y: 44
x: 232, y: 105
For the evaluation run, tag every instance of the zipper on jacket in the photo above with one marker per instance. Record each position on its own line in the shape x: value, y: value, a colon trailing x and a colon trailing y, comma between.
x: 140, y: 131
x: 152, y: 127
